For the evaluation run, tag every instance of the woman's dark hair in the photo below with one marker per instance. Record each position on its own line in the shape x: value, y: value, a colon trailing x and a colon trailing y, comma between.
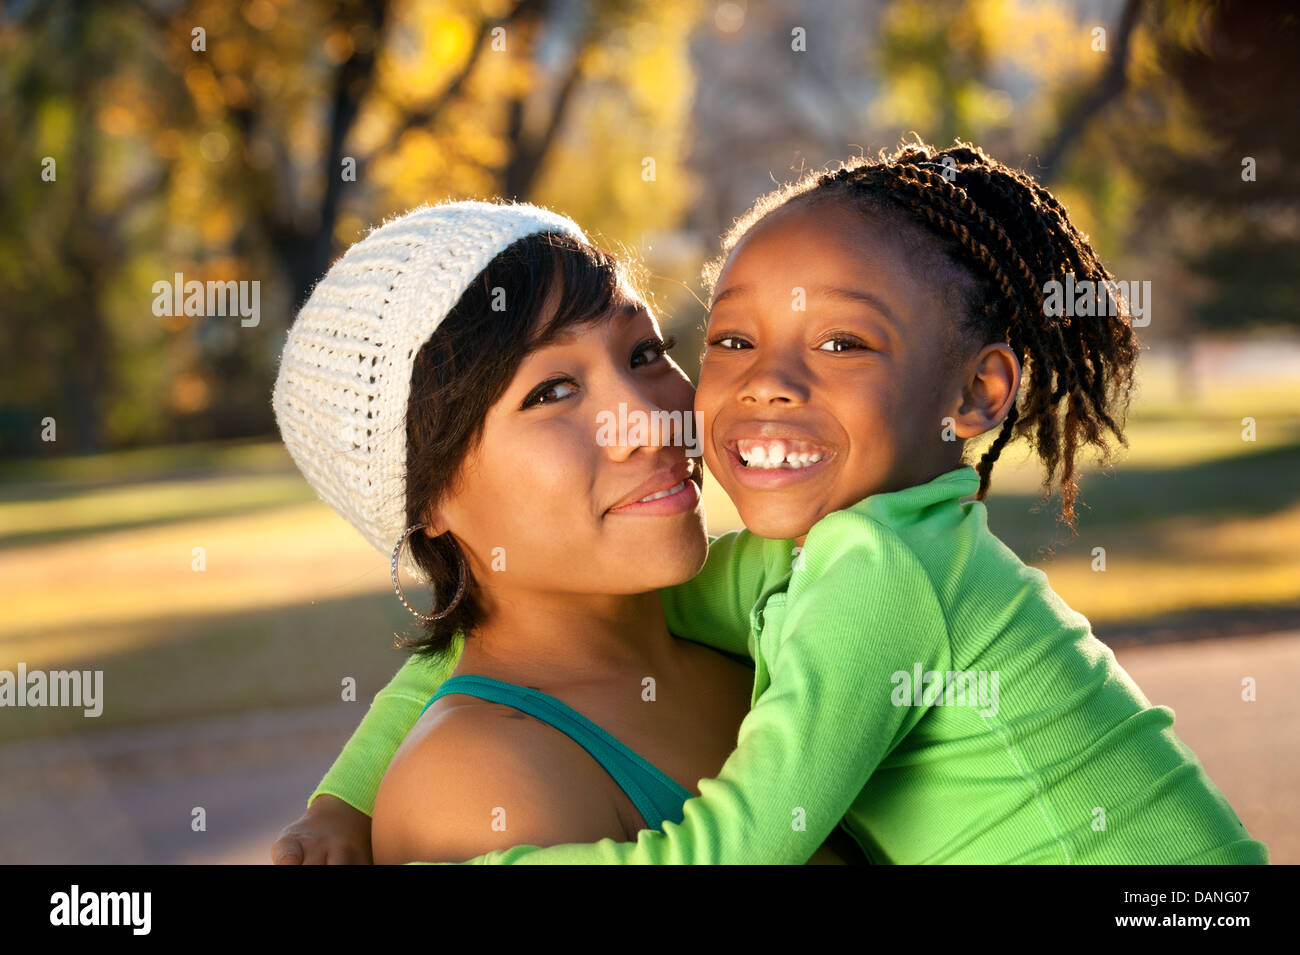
x: 995, y: 237
x: 463, y: 370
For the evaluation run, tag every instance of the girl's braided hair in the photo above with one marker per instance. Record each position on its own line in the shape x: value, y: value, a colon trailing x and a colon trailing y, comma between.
x: 1001, y: 237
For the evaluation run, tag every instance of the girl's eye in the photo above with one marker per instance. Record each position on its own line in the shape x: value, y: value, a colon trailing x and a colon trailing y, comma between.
x: 538, y: 396
x: 656, y: 347
x: 848, y: 343
x: 729, y: 342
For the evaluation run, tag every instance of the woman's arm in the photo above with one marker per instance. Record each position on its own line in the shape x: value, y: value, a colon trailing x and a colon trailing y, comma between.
x: 858, y: 612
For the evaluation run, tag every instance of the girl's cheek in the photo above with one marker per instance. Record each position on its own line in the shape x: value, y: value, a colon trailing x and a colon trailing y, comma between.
x: 718, y: 470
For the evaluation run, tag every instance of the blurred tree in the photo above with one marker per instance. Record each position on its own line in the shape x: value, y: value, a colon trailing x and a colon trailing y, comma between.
x: 1187, y: 97
x: 1223, y: 78
x: 252, y: 141
x: 1144, y: 137
x: 299, y: 160
x: 1085, y: 102
x: 71, y: 202
x: 936, y: 57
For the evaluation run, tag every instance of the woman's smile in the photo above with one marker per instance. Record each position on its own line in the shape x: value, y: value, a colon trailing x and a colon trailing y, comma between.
x: 657, y: 497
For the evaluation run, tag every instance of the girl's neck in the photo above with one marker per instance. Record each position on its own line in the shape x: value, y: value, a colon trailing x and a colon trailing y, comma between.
x: 555, y: 639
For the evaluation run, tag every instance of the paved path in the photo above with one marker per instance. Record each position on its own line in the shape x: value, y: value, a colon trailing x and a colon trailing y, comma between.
x: 126, y: 796
x: 1250, y: 750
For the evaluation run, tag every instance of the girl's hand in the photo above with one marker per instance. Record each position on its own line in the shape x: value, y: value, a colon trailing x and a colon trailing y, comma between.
x: 330, y: 832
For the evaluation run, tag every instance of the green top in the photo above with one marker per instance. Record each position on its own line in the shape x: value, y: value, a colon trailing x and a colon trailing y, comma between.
x: 915, y: 678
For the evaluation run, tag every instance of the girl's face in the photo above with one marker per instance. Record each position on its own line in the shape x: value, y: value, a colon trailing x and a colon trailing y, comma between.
x: 822, y: 344
x: 547, y: 501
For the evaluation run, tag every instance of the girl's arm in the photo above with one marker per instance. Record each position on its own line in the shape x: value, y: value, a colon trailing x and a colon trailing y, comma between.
x: 354, y: 777
x: 858, y: 612
x: 337, y: 827
x: 713, y: 607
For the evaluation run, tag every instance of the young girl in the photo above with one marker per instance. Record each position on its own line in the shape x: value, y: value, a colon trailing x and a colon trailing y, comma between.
x: 912, y: 676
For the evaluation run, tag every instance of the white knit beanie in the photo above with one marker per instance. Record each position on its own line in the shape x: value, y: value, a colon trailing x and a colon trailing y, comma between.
x: 344, y: 382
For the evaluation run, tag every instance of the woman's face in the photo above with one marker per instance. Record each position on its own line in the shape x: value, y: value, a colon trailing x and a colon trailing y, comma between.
x: 547, y: 502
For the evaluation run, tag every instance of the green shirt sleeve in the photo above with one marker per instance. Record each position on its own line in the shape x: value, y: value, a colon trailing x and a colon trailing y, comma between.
x: 359, y: 768
x: 713, y: 607
x: 859, y: 610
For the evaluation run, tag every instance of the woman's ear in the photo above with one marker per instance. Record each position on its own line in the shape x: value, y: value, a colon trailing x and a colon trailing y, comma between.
x: 990, y: 390
x: 435, y: 522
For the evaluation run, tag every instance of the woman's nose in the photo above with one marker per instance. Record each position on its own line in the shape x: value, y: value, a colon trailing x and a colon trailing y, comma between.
x: 646, y: 418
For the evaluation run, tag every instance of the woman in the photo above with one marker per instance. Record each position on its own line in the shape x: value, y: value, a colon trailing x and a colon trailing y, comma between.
x: 443, y: 386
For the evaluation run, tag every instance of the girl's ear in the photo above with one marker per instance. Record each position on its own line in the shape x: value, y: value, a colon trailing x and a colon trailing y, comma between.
x: 989, y: 392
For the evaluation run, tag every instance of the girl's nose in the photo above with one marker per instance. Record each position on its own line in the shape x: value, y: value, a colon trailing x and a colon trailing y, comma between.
x: 774, y: 380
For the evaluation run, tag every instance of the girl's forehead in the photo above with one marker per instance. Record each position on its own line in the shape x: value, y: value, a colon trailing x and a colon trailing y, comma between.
x: 804, y: 231
x: 807, y: 246
x: 833, y: 255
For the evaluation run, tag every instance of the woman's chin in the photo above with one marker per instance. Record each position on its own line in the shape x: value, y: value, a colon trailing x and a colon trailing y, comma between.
x: 674, y: 561
x: 689, y: 555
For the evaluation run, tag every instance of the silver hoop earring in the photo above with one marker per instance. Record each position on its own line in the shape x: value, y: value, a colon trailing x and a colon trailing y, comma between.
x: 397, y: 586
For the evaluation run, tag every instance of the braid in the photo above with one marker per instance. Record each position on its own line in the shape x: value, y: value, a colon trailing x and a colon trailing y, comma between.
x: 1011, y: 236
x: 948, y: 208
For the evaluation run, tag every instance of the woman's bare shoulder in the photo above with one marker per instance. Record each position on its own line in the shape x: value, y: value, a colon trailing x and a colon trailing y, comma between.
x: 474, y: 776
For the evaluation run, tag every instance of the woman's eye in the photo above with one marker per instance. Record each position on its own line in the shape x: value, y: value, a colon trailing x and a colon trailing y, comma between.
x: 729, y: 342
x: 848, y: 343
x: 538, y: 397
x: 656, y: 348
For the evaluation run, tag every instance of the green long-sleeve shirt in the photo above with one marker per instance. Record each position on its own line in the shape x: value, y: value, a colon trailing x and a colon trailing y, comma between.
x: 915, y: 678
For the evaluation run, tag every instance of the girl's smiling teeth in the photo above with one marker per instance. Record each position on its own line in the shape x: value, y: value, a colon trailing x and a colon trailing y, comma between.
x: 777, y: 453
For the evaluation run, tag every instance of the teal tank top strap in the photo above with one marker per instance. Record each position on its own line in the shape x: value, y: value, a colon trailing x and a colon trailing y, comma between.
x: 656, y: 795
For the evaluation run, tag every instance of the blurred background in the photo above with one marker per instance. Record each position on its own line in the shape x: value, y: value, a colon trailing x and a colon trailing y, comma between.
x: 152, y: 526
